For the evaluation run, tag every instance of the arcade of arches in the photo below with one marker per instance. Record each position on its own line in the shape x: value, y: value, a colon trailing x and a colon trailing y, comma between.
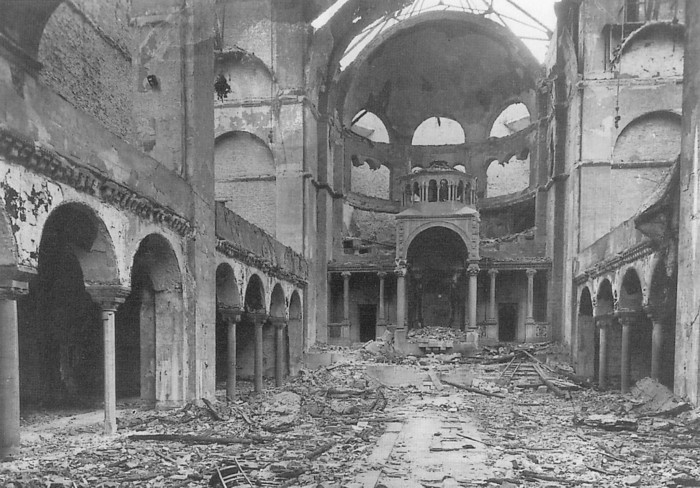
x: 189, y: 204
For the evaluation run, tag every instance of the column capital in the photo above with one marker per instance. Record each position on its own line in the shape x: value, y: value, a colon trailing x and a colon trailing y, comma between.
x: 473, y: 269
x: 493, y: 272
x: 278, y: 322
x: 603, y: 321
x: 657, y: 313
x: 382, y: 274
x: 12, y: 290
x: 108, y: 297
x: 346, y: 275
x: 629, y: 317
x: 530, y: 272
x: 229, y: 313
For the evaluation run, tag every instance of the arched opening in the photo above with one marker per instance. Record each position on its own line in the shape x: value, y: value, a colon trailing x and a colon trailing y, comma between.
x: 604, y: 308
x: 228, y: 302
x: 369, y: 126
x: 372, y: 182
x: 60, y: 334
x: 588, y: 338
x: 438, y: 131
x: 511, y: 176
x: 244, y: 169
x: 254, y: 302
x: 630, y: 308
x: 150, y: 327
x: 443, y: 191
x: 437, y: 287
x: 278, y: 310
x: 296, y: 333
x: 662, y: 310
x: 432, y: 191
x: 514, y: 118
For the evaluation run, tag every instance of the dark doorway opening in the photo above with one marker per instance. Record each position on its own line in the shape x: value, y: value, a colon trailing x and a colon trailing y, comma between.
x: 368, y: 322
x: 507, y: 321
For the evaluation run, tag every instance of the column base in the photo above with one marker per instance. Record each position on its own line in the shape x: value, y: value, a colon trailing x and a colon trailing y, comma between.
x: 473, y: 338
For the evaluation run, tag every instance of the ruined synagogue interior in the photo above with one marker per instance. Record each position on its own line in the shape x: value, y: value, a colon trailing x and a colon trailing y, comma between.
x: 215, y: 209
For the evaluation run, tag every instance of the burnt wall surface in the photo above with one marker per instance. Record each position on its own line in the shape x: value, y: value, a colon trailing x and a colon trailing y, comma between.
x: 85, y: 58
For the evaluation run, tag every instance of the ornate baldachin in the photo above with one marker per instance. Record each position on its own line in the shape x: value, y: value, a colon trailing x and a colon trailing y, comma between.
x: 25, y: 152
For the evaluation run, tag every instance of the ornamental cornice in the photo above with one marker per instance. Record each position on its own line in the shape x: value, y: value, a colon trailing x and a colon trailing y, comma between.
x: 246, y: 257
x: 627, y: 256
x: 25, y: 152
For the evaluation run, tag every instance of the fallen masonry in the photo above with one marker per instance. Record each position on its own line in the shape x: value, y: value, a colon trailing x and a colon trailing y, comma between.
x: 435, y: 421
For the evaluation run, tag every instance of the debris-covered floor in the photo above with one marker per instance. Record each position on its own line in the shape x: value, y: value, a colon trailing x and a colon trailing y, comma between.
x: 435, y: 421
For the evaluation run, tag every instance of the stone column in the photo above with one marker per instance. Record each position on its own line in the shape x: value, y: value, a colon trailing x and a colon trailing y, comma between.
x: 530, y: 318
x: 401, y: 271
x: 346, y: 296
x: 473, y: 271
x: 280, y: 323
x: 657, y: 340
x: 492, y: 295
x: 259, y: 321
x: 109, y: 298
x: 604, y: 324
x: 382, y: 311
x: 626, y: 320
x: 10, y: 291
x: 232, y: 316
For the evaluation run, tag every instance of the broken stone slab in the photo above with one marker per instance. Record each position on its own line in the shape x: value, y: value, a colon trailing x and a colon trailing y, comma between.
x: 608, y: 422
x: 656, y: 400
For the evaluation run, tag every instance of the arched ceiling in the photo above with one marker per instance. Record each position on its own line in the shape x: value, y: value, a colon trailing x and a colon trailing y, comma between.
x: 460, y: 66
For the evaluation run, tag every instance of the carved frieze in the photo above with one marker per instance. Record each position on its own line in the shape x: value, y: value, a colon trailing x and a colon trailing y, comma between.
x: 20, y: 150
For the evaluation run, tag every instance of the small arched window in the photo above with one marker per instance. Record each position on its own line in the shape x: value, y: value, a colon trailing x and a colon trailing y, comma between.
x: 416, y: 192
x: 460, y: 192
x: 432, y: 191
x: 443, y: 193
x: 369, y: 126
x: 515, y: 117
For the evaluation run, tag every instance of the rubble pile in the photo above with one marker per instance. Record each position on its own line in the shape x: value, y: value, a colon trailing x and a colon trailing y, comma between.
x: 317, y: 428
x: 435, y: 334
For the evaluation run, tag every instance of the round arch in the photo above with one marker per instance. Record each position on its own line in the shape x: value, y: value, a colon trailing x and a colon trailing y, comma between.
x: 630, y: 295
x: 605, y: 301
x: 24, y: 22
x: 247, y: 76
x: 278, y: 307
x: 510, y: 117
x: 438, y: 131
x: 653, y: 50
x: 370, y: 126
x: 227, y: 293
x: 653, y: 136
x: 586, y: 337
x: 254, y: 295
x: 429, y: 225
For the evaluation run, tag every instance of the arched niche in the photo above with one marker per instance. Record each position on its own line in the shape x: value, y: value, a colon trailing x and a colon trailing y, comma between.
x: 254, y: 295
x: 604, y: 299
x: 253, y: 302
x: 150, y: 327
x: 245, y: 178
x: 655, y: 136
x: 438, y: 131
x: 247, y: 77
x: 511, y: 176
x: 60, y: 338
x: 631, y: 294
x: 371, y: 182
x: 513, y: 118
x: 369, y: 126
x: 653, y: 51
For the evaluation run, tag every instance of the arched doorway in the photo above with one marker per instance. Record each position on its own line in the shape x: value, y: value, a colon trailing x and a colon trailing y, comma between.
x: 228, y: 312
x: 60, y: 337
x: 296, y: 333
x: 437, y: 288
x: 587, y: 336
x: 150, y: 329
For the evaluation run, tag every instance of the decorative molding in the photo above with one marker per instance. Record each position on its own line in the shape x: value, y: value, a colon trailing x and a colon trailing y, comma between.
x: 25, y: 152
x: 627, y: 256
x: 249, y: 258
